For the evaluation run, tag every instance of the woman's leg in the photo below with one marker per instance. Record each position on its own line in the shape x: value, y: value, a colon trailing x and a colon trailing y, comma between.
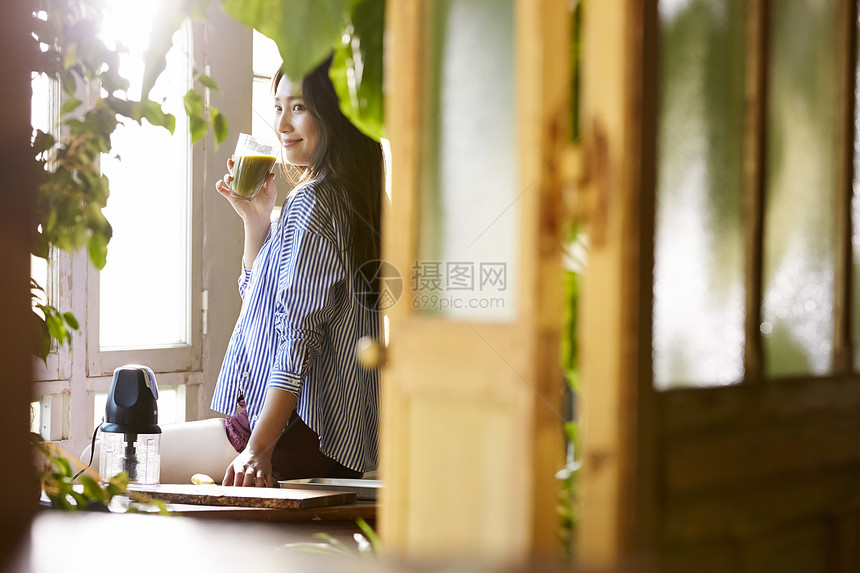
x: 192, y: 448
x: 188, y: 448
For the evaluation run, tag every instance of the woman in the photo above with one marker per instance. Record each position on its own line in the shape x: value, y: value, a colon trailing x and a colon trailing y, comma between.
x: 297, y: 403
x: 290, y: 363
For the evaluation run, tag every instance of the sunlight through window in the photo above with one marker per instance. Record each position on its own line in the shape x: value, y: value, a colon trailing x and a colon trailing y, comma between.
x: 145, y: 286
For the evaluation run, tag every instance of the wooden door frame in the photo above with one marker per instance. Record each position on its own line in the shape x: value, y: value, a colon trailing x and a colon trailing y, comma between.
x: 543, y: 125
x: 18, y: 490
x: 619, y: 497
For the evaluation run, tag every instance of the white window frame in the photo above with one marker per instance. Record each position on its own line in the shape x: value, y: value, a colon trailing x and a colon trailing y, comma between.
x: 178, y: 358
x: 65, y: 385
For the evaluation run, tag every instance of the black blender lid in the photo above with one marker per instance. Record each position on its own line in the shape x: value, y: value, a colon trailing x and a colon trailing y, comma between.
x: 132, y: 406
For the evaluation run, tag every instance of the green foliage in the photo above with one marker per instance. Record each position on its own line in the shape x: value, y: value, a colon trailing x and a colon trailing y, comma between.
x: 367, y: 544
x: 308, y: 32
x: 568, y: 512
x: 52, y: 324
x: 58, y: 482
x: 167, y: 21
x: 72, y: 190
x: 370, y: 534
x: 305, y: 32
x: 356, y: 69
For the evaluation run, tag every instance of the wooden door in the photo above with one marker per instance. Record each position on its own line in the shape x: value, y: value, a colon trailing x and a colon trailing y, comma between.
x: 719, y: 349
x: 471, y: 425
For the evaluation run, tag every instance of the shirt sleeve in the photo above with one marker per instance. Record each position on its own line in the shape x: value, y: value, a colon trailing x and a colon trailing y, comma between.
x: 245, y: 274
x: 244, y: 279
x: 311, y: 271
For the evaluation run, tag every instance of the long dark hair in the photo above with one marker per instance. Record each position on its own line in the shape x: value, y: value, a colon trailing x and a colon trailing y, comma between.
x: 352, y: 160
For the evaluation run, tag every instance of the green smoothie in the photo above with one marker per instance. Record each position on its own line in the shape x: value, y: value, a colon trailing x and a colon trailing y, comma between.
x: 249, y: 174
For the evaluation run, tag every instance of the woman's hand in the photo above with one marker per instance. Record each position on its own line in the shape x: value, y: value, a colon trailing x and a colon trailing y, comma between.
x: 256, y: 212
x: 254, y: 465
x: 250, y: 469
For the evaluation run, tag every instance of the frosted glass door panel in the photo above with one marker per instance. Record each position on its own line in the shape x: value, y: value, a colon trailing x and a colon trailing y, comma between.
x: 799, y: 243
x: 699, y: 238
x: 467, y: 258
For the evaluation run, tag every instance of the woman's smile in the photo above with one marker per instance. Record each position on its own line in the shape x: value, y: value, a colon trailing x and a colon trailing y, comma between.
x: 295, y: 125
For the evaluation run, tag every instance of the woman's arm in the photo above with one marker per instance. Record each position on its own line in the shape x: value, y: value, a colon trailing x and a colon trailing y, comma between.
x: 253, y: 466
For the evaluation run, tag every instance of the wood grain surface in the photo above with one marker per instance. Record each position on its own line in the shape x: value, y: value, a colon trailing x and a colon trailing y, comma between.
x: 260, y: 497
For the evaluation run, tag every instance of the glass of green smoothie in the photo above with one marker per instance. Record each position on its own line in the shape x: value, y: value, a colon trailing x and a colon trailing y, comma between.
x: 253, y: 161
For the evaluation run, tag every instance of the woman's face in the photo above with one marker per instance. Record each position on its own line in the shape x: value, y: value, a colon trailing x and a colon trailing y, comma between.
x: 296, y: 128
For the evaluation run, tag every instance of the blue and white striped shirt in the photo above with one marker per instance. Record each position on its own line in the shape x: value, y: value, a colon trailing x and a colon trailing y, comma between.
x: 299, y: 323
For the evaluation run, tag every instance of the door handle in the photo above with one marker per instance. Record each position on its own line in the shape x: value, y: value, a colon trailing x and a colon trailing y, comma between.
x: 370, y: 353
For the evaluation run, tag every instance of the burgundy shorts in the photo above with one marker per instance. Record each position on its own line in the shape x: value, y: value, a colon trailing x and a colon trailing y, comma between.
x: 297, y: 453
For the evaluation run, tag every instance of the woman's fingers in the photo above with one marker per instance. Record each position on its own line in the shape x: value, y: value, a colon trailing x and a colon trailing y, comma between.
x: 228, y: 476
x: 269, y: 185
x: 250, y: 478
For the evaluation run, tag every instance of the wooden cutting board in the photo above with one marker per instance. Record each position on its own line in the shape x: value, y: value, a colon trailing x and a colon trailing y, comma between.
x: 264, y: 497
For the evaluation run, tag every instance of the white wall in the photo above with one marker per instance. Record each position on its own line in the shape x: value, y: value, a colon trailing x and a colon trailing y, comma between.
x: 228, y: 53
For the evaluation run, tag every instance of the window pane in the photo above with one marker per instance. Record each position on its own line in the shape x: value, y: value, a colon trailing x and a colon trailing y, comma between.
x: 699, y: 238
x: 799, y: 251
x: 36, y: 417
x: 266, y: 58
x: 264, y: 111
x: 145, y: 286
x: 44, y: 115
x: 171, y: 405
x: 469, y: 212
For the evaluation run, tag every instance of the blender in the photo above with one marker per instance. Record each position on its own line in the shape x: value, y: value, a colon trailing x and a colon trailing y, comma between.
x: 131, y: 438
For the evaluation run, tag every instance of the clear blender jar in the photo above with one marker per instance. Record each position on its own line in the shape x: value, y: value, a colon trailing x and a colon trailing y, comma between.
x: 131, y: 437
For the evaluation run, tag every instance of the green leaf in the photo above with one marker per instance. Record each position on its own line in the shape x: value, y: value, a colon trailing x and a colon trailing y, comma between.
x: 60, y: 502
x: 167, y: 21
x: 62, y: 466
x: 80, y: 500
x: 43, y: 337
x: 198, y: 127
x: 117, y: 484
x: 41, y: 247
x: 196, y: 121
x: 55, y: 325
x: 42, y: 142
x: 70, y: 105
x: 305, y: 32
x: 371, y: 535
x: 97, y: 249
x: 208, y: 82
x: 92, y: 489
x: 359, y: 87
x: 111, y: 81
x: 71, y: 320
x: 155, y: 115
x: 193, y: 102
x: 219, y: 125
x: 67, y: 79
x: 130, y: 109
